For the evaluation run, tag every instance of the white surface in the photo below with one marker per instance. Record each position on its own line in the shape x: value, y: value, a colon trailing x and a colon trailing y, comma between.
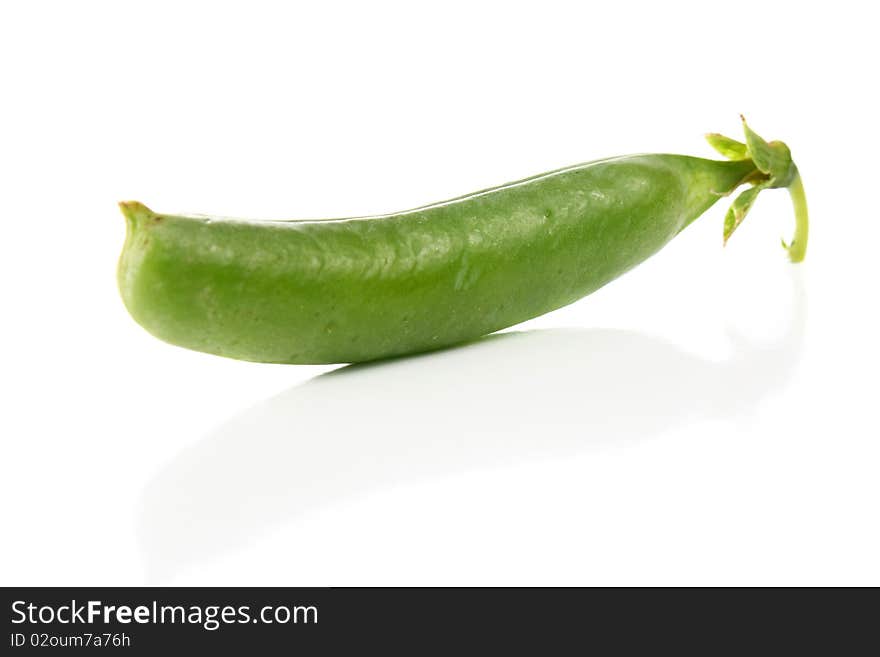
x: 710, y: 418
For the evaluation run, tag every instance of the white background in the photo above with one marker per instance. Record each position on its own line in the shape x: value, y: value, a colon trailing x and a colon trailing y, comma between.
x: 710, y: 418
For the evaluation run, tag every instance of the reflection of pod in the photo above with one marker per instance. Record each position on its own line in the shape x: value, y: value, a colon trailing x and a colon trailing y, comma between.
x: 358, y: 289
x: 517, y: 398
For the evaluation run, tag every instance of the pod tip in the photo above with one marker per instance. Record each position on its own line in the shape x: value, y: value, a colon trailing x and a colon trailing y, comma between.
x: 133, y: 209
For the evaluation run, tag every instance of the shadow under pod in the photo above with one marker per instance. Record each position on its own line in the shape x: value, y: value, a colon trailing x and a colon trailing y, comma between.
x: 502, y: 399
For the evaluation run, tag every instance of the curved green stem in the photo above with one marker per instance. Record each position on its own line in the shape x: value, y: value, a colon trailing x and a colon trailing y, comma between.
x: 798, y: 247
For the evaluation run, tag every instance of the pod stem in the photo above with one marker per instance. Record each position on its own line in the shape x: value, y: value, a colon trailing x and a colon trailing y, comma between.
x: 797, y: 249
x: 774, y: 169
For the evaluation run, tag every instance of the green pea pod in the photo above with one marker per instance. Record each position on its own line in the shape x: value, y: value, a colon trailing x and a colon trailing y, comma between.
x: 359, y: 289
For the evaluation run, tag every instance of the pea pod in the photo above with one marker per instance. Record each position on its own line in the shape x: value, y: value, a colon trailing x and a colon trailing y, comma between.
x: 358, y: 289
